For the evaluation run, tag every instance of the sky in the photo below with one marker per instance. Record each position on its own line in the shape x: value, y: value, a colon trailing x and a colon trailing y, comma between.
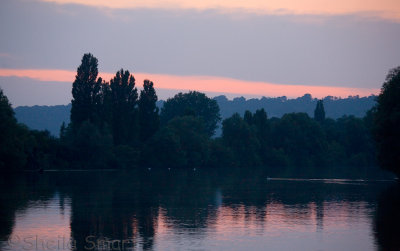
x: 236, y: 48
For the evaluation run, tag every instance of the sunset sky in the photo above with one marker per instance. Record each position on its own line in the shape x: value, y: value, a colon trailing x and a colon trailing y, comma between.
x: 252, y: 48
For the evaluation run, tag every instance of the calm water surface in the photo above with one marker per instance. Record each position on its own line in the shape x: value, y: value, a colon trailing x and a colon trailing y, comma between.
x: 195, y: 210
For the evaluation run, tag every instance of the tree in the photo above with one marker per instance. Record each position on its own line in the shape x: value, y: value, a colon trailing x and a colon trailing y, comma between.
x: 86, y: 95
x: 91, y: 148
x: 260, y: 122
x: 105, y: 109
x: 387, y: 123
x: 181, y: 143
x: 6, y: 112
x: 20, y: 147
x: 319, y: 112
x: 248, y: 117
x: 192, y: 103
x: 12, y: 155
x: 148, y: 112
x: 242, y: 139
x: 355, y: 143
x: 302, y: 140
x: 124, y: 99
x: 63, y: 132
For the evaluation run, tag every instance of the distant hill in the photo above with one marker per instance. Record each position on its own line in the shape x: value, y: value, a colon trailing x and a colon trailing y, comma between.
x: 51, y: 117
x: 276, y: 107
x: 43, y: 117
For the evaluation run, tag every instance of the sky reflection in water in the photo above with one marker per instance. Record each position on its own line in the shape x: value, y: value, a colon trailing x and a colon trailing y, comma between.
x: 185, y: 210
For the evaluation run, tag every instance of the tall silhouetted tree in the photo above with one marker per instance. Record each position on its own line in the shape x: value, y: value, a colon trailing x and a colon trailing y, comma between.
x: 106, y: 107
x: 387, y: 123
x: 260, y: 121
x: 319, y: 112
x: 86, y: 95
x: 148, y: 112
x: 124, y: 99
x: 193, y: 103
x: 63, y: 131
x: 248, y: 117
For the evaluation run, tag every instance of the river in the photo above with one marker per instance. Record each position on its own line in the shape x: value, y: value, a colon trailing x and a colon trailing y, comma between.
x: 224, y: 209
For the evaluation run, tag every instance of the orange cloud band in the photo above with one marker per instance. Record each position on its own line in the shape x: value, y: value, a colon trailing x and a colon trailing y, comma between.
x: 388, y: 9
x: 202, y: 83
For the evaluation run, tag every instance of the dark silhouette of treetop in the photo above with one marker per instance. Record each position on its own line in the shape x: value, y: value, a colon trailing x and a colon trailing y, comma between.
x: 21, y: 148
x: 86, y: 92
x: 387, y: 123
x: 123, y: 89
x: 6, y: 111
x: 195, y: 103
x: 124, y: 99
x: 148, y: 111
x: 9, y: 147
x: 319, y: 112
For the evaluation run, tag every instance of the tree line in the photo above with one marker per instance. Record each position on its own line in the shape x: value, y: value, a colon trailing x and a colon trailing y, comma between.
x: 113, y: 125
x: 51, y: 117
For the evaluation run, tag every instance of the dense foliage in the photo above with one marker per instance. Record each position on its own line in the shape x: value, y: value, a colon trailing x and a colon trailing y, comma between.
x: 122, y: 105
x: 112, y: 126
x: 21, y: 148
x: 192, y: 103
x: 148, y: 111
x: 387, y: 122
x: 300, y: 145
x: 51, y: 117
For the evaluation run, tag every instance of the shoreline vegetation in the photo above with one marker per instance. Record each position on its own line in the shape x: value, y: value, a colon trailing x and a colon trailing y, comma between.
x: 50, y: 117
x: 114, y: 126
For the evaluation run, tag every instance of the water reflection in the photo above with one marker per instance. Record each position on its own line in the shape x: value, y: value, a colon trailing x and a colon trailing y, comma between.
x: 387, y: 219
x: 206, y: 209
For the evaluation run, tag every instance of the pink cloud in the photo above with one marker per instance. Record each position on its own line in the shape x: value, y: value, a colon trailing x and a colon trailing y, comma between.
x: 202, y: 83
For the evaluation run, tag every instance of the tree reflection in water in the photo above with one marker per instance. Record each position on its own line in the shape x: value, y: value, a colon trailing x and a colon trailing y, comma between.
x: 141, y: 209
x: 387, y: 219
